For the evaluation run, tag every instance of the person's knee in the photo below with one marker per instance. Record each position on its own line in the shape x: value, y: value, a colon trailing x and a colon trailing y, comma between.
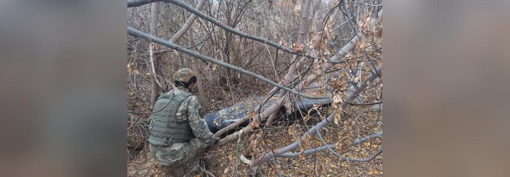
x: 197, y: 145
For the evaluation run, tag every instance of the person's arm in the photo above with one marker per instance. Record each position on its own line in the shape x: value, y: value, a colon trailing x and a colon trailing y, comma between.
x: 196, y: 121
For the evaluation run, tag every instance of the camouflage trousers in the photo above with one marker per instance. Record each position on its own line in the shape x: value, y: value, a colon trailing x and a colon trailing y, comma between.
x: 179, y: 157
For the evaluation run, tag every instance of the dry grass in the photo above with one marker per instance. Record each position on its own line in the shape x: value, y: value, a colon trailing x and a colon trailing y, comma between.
x: 225, y: 161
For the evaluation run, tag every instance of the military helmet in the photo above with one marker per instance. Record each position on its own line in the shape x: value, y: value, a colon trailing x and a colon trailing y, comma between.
x: 184, y: 77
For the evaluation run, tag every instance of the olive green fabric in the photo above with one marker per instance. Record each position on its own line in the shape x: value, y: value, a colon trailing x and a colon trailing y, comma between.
x: 177, y: 154
x: 165, y: 127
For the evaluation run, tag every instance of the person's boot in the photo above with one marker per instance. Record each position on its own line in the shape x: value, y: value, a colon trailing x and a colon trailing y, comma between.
x: 204, y: 165
x: 171, y: 172
x: 191, y: 167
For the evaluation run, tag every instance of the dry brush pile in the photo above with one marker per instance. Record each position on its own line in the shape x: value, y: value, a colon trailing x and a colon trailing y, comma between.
x: 336, y: 44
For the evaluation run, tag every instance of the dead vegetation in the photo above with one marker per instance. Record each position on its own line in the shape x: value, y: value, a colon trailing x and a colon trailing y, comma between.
x: 340, y: 56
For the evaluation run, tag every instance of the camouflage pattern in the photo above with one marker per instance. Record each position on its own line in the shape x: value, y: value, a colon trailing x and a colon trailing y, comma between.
x: 164, y: 127
x: 179, y: 154
x: 183, y: 75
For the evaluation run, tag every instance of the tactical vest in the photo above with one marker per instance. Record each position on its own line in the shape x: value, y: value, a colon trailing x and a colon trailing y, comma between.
x: 164, y: 128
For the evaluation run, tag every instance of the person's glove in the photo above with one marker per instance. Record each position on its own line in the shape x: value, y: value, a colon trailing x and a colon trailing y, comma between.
x: 213, y: 140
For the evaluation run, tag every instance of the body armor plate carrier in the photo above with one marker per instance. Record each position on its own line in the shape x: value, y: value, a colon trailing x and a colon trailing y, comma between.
x: 165, y: 128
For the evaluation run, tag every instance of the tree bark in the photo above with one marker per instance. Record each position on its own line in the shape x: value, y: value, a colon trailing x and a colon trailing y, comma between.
x: 321, y: 124
x: 303, y: 31
x: 201, y: 94
x: 179, y: 34
x: 153, y: 31
x: 186, y: 25
x: 303, y: 84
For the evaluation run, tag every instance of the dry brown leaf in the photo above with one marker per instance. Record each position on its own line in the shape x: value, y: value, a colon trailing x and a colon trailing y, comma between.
x: 256, y: 123
x: 297, y: 9
x: 288, y: 106
x: 338, y: 115
x: 298, y: 47
x: 292, y: 130
x: 306, y: 118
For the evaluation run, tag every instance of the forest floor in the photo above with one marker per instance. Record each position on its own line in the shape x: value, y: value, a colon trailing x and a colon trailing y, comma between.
x: 225, y: 160
x: 222, y: 161
x: 221, y: 164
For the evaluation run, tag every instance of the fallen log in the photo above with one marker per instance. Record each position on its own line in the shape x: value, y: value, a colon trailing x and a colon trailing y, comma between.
x: 222, y: 118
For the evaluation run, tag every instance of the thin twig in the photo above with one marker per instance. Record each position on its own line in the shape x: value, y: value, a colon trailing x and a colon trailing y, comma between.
x: 136, y: 3
x: 141, y: 34
x: 348, y: 13
x: 362, y: 140
x: 311, y: 151
x: 221, y: 25
x: 323, y: 123
x: 186, y: 25
x: 152, y: 65
x: 346, y: 158
x: 134, y: 112
x: 173, y: 87
x: 364, y: 104
x: 329, y: 148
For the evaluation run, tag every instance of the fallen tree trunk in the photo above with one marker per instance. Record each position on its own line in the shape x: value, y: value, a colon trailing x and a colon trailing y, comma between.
x: 231, y: 115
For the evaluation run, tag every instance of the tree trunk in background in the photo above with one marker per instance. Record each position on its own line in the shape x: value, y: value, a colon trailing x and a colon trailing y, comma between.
x: 303, y: 32
x: 153, y: 31
x: 175, y: 61
x: 201, y: 93
x: 179, y: 62
x: 187, y: 25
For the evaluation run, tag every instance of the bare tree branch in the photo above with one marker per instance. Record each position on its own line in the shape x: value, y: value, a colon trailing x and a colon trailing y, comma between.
x: 362, y: 140
x: 329, y: 148
x: 349, y: 18
x: 303, y: 31
x: 367, y: 159
x: 136, y: 3
x: 307, y: 152
x: 311, y: 151
x: 323, y: 123
x: 272, y: 108
x: 141, y: 34
x: 232, y: 30
x: 364, y: 104
x: 163, y: 107
x: 258, y: 118
x: 334, y: 59
x: 355, y: 142
x: 156, y: 85
x: 358, y: 141
x: 187, y: 25
x: 151, y: 47
x: 348, y: 47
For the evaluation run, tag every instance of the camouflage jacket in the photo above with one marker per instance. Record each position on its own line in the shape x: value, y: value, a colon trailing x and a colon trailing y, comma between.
x: 177, y: 154
x: 191, y: 110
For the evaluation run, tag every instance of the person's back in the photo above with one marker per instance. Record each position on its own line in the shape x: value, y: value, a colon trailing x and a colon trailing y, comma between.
x: 177, y: 129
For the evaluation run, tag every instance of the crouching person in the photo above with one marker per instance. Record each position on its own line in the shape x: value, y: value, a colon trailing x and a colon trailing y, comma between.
x: 177, y: 129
